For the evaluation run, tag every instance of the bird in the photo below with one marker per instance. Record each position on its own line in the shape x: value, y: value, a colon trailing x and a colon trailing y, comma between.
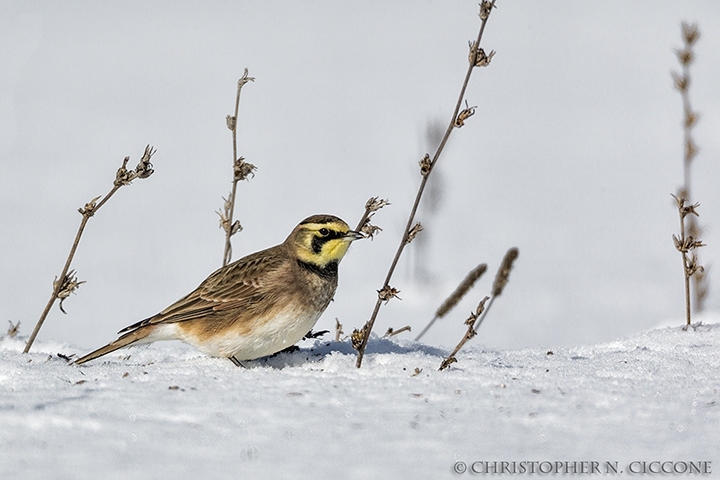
x: 256, y: 306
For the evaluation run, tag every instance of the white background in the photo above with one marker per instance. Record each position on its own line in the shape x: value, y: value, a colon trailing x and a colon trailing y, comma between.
x: 572, y: 155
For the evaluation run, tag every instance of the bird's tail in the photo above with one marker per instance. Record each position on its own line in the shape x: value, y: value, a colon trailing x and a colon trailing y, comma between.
x: 130, y: 338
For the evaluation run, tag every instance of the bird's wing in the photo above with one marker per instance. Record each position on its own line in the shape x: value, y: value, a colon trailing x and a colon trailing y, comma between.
x: 238, y: 284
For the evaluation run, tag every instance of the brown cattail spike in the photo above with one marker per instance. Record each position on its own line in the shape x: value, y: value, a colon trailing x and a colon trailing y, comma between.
x: 461, y: 290
x: 503, y: 274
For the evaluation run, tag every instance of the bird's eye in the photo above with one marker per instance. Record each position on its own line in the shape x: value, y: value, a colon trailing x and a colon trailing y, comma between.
x: 324, y: 232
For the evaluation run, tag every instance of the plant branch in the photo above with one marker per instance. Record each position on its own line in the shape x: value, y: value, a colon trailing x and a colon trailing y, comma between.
x: 685, y: 245
x: 241, y: 171
x: 67, y: 283
x: 477, y: 57
x: 470, y: 333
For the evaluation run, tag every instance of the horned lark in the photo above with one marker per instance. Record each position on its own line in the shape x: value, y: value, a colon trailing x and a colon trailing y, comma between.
x: 257, y: 305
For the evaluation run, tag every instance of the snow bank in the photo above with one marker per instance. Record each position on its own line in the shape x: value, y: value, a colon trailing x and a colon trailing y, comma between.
x: 169, y: 412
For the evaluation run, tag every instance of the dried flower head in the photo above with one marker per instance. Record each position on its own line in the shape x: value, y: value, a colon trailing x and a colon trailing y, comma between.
x: 243, y: 170
x: 387, y: 293
x: 681, y: 81
x: 417, y: 228
x: 357, y: 337
x: 13, y: 329
x: 691, y: 118
x: 90, y: 207
x: 692, y: 264
x: 684, y: 209
x: 477, y: 56
x: 685, y: 56
x: 245, y: 79
x: 123, y: 176
x: 464, y: 115
x: 144, y: 169
x: 425, y: 165
x: 68, y: 286
x: 374, y: 204
x: 369, y: 230
x: 690, y: 32
x: 371, y: 206
x: 485, y: 9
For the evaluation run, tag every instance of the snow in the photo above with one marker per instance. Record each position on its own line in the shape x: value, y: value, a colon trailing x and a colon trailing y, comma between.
x: 168, y: 411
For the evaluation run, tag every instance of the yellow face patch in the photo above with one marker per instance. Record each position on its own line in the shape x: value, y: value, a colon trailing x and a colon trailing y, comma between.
x: 322, y: 243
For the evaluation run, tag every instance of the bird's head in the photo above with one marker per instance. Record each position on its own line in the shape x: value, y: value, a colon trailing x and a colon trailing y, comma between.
x: 322, y: 239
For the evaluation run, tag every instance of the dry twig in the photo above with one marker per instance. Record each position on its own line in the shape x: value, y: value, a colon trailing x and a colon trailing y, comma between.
x: 458, y: 118
x: 391, y: 332
x: 242, y: 170
x: 682, y: 82
x: 338, y: 330
x: 686, y: 245
x: 470, y: 333
x: 475, y: 319
x: 67, y: 282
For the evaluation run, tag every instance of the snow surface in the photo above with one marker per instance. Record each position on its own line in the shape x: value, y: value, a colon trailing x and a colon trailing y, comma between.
x: 168, y: 411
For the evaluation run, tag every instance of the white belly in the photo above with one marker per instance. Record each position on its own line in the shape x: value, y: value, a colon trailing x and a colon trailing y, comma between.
x: 274, y: 335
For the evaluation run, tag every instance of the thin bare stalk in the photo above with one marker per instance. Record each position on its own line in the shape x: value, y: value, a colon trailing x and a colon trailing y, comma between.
x: 686, y: 245
x: 455, y: 297
x: 241, y: 171
x: 685, y: 270
x: 470, y: 333
x: 338, y: 330
x: 477, y: 57
x: 67, y: 283
x: 476, y: 318
x: 391, y: 332
x: 686, y: 56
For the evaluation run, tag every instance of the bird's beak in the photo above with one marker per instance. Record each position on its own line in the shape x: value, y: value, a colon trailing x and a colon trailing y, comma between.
x: 352, y: 235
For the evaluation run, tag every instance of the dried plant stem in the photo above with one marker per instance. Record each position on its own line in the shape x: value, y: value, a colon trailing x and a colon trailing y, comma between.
x: 477, y: 58
x: 241, y: 171
x: 391, y: 332
x: 476, y: 318
x: 455, y: 297
x: 686, y: 245
x: 58, y: 284
x: 67, y: 283
x: 682, y: 81
x: 338, y: 330
x: 470, y: 333
x: 685, y: 270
